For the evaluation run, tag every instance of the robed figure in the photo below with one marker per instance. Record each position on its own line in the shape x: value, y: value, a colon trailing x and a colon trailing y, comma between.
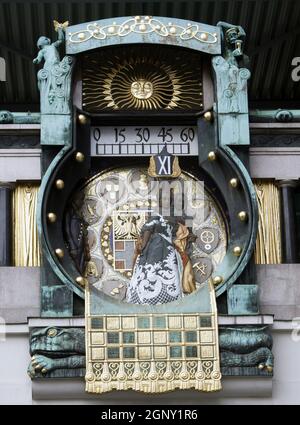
x: 159, y: 268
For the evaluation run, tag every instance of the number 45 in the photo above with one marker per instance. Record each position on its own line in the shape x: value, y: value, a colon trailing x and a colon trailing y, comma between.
x: 165, y: 134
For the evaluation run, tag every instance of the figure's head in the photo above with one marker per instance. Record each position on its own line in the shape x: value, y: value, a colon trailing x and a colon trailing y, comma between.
x: 232, y: 34
x: 6, y: 117
x: 43, y: 41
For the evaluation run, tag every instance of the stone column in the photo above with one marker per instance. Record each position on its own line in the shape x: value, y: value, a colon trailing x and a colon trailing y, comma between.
x: 6, y: 224
x: 288, y: 221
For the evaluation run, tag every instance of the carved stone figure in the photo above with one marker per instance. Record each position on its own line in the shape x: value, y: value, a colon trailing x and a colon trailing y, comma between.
x: 55, y: 348
x: 7, y: 117
x: 246, y: 346
x: 48, y: 51
x: 54, y: 80
x: 231, y: 77
x: 232, y: 86
x: 234, y: 37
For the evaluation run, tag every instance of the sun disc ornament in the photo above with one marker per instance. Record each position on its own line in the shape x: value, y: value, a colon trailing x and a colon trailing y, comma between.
x: 142, y: 89
x: 141, y: 79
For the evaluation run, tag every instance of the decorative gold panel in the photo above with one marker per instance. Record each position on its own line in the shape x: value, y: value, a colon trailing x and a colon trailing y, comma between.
x: 147, y: 78
x: 26, y: 243
x: 152, y: 352
x: 268, y: 242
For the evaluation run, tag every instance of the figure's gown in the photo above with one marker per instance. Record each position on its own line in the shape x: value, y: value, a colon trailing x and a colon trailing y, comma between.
x: 156, y: 276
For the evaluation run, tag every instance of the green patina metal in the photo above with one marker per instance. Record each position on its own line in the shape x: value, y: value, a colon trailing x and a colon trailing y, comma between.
x: 274, y: 115
x: 230, y: 127
x: 7, y: 117
x: 145, y: 30
x: 242, y: 299
x: 60, y: 352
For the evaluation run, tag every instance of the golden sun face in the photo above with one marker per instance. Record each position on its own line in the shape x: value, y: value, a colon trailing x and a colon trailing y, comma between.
x: 142, y: 89
x: 138, y: 79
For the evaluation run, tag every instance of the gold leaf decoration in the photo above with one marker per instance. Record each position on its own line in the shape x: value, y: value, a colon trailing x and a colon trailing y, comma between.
x: 142, y: 78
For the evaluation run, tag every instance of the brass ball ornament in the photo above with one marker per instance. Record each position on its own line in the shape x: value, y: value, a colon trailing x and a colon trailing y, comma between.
x: 51, y: 217
x: 80, y: 280
x: 217, y: 280
x: 211, y: 156
x: 243, y: 216
x: 79, y: 157
x: 82, y: 119
x: 234, y: 182
x: 237, y: 250
x: 59, y: 253
x: 60, y: 184
x: 208, y: 116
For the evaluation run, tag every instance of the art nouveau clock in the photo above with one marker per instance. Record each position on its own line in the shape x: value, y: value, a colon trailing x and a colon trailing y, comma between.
x: 146, y: 208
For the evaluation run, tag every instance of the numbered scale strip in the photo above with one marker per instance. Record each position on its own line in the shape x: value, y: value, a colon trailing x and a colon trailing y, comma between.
x: 139, y: 141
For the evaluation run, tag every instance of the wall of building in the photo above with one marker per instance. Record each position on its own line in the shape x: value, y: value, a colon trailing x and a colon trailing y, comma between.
x: 279, y: 295
x: 17, y: 388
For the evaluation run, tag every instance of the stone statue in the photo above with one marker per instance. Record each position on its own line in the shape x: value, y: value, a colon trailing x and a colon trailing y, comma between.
x: 234, y: 37
x: 61, y: 351
x: 56, y: 348
x: 48, y: 51
x: 7, y: 117
x: 54, y: 79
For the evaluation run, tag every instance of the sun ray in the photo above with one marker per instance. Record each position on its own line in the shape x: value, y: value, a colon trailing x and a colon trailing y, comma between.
x: 163, y: 81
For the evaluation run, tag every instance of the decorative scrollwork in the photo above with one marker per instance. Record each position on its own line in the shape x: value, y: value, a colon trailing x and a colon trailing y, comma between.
x: 143, y: 25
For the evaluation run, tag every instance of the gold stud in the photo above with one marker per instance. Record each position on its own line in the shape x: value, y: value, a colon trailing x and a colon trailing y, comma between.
x: 217, y: 280
x: 59, y: 252
x: 80, y: 280
x: 269, y: 368
x: 261, y: 366
x: 52, y: 332
x: 82, y: 119
x: 208, y: 115
x: 242, y: 215
x: 142, y: 27
x: 211, y: 156
x: 51, y: 217
x: 203, y: 36
x: 79, y: 157
x: 233, y: 182
x: 60, y: 184
x: 44, y: 370
x: 237, y: 250
x: 81, y: 36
